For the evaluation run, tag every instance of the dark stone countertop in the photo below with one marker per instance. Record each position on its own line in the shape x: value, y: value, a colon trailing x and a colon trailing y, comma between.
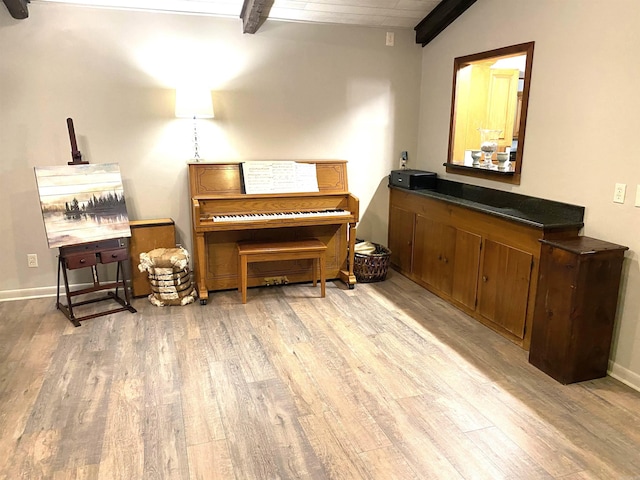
x: 531, y: 211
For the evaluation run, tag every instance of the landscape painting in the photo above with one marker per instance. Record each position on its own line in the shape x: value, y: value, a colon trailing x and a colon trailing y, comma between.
x: 82, y: 203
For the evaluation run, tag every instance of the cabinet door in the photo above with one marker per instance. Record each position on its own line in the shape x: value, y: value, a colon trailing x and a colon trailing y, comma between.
x: 401, y: 238
x: 504, y: 287
x: 465, y: 270
x: 434, y: 253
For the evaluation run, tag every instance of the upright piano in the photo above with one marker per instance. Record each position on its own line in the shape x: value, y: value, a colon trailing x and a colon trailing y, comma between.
x: 223, y: 215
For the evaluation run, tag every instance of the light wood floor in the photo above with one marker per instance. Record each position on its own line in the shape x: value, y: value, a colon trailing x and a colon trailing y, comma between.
x: 385, y: 381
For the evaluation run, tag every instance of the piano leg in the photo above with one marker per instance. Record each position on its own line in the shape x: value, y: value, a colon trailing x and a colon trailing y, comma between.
x: 201, y: 270
x: 348, y: 277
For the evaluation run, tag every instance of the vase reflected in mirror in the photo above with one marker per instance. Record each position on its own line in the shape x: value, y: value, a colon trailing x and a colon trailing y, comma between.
x: 488, y: 144
x: 475, y: 156
x: 503, y: 160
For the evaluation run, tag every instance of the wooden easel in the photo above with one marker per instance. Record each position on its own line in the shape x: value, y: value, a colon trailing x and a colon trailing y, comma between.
x: 89, y: 255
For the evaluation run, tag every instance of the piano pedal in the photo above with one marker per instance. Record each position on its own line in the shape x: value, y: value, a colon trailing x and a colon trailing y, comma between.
x: 268, y: 281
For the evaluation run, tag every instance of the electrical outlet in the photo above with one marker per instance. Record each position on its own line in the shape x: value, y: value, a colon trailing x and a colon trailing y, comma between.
x: 32, y: 260
x: 619, y: 192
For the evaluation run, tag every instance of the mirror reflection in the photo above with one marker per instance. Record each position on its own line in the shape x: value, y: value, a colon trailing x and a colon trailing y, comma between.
x: 488, y: 113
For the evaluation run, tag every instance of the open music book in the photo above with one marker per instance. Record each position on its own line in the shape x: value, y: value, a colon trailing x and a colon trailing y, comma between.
x: 261, y: 177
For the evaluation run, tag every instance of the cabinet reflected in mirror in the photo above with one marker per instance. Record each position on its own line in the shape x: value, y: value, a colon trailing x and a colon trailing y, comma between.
x: 490, y: 92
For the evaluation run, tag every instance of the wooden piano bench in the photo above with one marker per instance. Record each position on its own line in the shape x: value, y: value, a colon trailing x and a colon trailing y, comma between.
x: 273, y: 251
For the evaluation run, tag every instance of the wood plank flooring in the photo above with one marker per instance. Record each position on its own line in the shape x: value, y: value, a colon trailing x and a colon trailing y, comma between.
x: 385, y: 381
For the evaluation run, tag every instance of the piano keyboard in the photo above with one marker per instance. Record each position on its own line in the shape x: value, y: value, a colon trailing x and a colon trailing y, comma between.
x: 253, y: 217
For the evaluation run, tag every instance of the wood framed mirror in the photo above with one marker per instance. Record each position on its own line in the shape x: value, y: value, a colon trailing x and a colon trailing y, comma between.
x: 490, y: 93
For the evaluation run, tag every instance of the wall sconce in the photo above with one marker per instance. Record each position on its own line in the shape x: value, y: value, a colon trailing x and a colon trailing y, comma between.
x: 194, y: 103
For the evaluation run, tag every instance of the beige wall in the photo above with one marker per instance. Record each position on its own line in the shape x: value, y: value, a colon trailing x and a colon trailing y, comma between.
x: 291, y: 91
x: 582, y: 126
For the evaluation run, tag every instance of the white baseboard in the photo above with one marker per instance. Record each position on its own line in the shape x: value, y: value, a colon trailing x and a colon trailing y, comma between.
x: 26, y: 293
x: 624, y: 375
x: 39, y: 292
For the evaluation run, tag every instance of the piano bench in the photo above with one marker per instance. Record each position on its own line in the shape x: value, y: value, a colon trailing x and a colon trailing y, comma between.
x: 273, y: 251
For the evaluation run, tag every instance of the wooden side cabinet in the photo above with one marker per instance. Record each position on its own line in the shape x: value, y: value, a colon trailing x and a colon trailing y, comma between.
x: 575, y: 308
x: 145, y: 236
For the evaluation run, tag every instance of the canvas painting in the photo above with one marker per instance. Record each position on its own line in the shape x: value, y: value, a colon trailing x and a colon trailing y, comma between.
x: 82, y: 203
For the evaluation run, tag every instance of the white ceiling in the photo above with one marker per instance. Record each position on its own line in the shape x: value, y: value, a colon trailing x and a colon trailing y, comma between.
x: 375, y: 13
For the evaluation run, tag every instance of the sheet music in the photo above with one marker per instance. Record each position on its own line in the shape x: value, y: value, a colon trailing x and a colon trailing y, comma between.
x: 279, y: 177
x: 306, y: 177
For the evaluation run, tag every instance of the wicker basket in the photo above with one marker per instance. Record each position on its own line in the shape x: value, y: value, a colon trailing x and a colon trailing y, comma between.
x: 371, y: 267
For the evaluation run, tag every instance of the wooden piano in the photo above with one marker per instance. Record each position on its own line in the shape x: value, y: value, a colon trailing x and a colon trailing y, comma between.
x: 222, y: 215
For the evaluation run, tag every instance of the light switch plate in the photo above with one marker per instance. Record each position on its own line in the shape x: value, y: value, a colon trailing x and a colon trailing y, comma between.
x: 390, y: 39
x: 638, y: 196
x: 619, y: 192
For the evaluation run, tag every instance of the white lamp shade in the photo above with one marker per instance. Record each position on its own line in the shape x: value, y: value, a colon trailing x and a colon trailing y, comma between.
x: 193, y: 103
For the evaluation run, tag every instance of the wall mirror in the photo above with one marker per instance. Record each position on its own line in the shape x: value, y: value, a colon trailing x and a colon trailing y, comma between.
x: 489, y: 113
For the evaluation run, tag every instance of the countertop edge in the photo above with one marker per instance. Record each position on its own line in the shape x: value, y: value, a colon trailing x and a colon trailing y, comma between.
x: 488, y: 209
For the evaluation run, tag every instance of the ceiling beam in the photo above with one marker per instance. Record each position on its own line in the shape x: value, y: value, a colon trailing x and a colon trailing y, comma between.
x: 17, y: 8
x: 253, y: 14
x: 440, y: 18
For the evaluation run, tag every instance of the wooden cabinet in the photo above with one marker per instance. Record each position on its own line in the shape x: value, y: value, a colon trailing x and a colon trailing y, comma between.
x: 401, y: 225
x: 576, y: 308
x: 147, y: 235
x: 484, y: 265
